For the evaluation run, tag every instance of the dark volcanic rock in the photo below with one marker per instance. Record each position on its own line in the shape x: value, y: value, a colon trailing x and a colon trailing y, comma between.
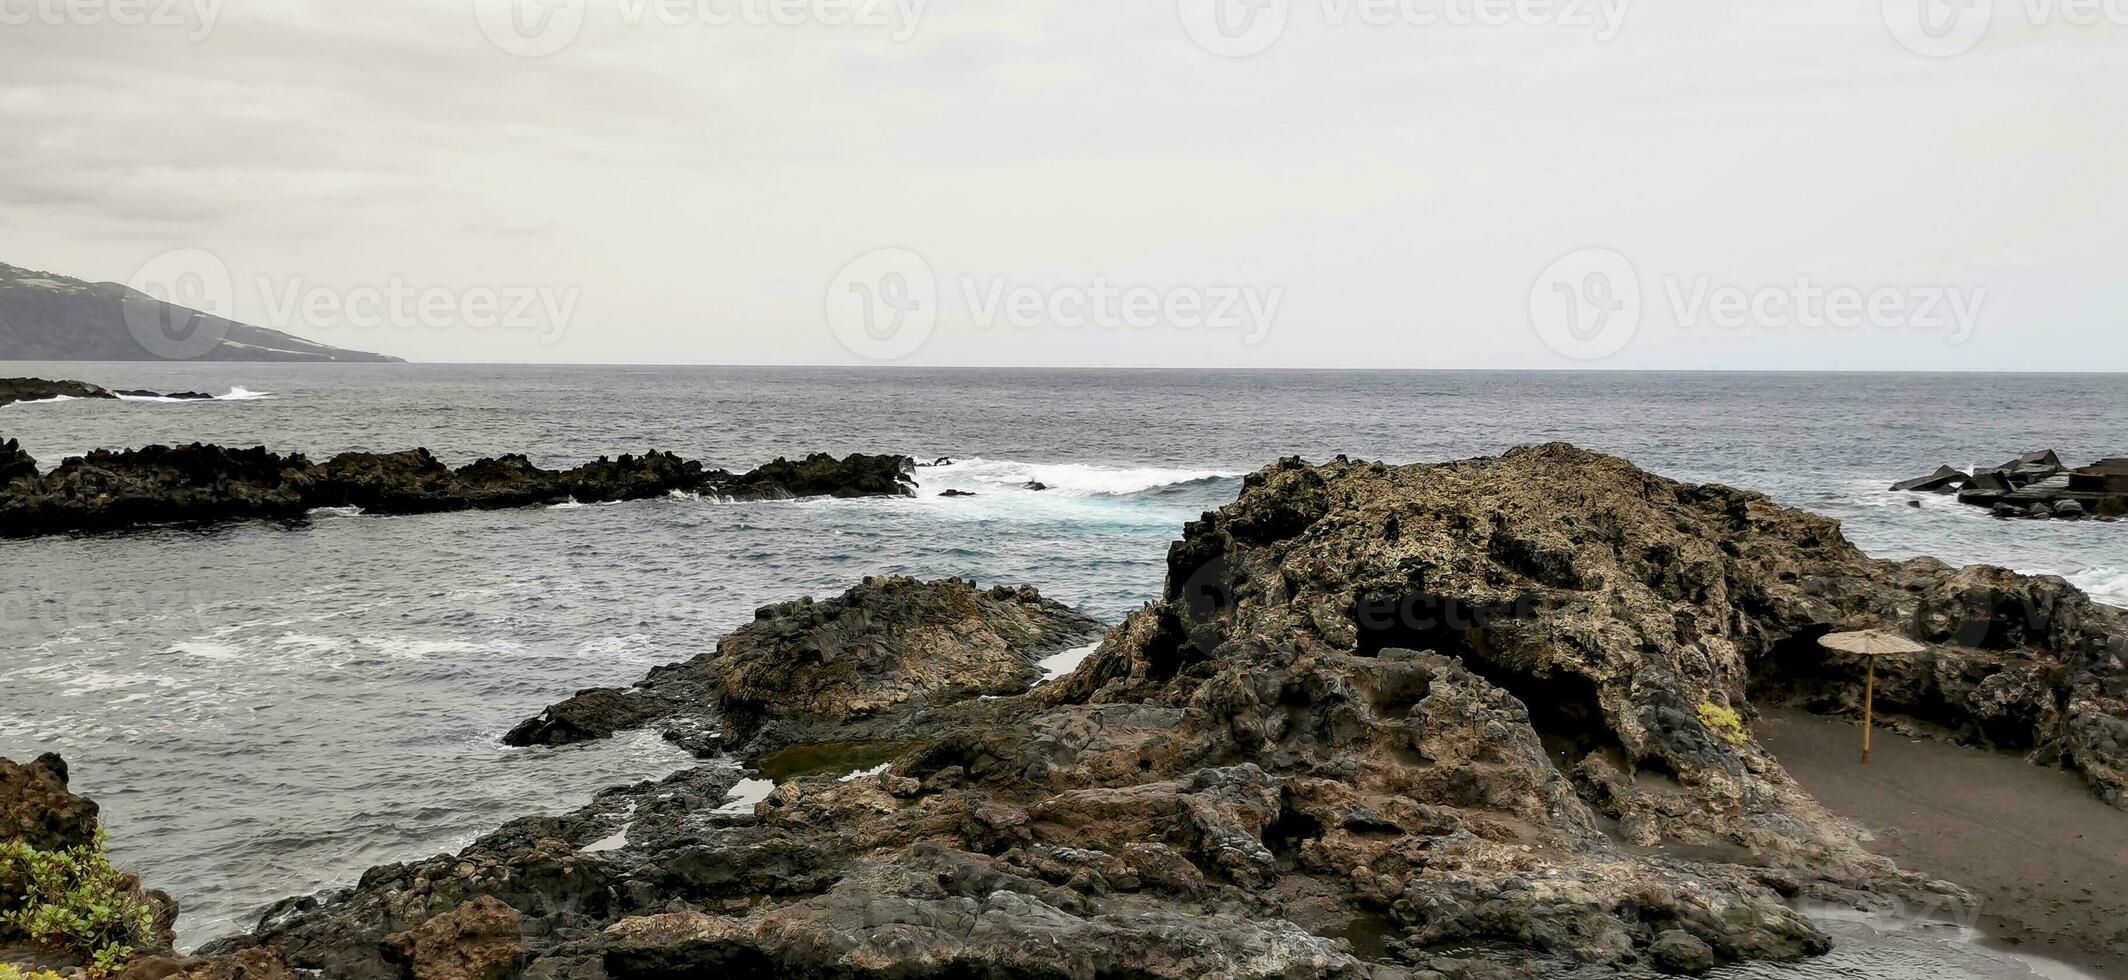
x: 1450, y: 710
x: 37, y: 389
x: 37, y: 808
x: 1944, y: 480
x: 157, y: 485
x: 193, y: 484
x: 821, y: 475
x: 956, y: 493
x: 14, y: 463
x: 811, y: 671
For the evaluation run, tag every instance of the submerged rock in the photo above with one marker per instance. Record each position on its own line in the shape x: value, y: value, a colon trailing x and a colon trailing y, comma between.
x: 201, y: 483
x: 1455, y: 720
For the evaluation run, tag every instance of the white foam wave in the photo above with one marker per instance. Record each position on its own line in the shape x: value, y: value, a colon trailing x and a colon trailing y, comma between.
x: 347, y: 511
x: 238, y: 393
x: 46, y: 401
x: 1065, y: 479
x: 569, y: 504
x: 2105, y: 584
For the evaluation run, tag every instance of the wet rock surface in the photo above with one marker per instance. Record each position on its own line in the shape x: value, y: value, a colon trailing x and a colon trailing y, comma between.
x: 107, y: 490
x: 853, y: 667
x: 1441, y: 720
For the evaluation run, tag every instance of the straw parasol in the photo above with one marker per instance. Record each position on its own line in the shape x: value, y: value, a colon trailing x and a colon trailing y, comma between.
x: 1871, y: 644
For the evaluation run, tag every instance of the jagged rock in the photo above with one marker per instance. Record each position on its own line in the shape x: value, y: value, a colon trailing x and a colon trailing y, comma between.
x: 2036, y: 485
x: 156, y: 485
x: 37, y: 389
x: 37, y: 808
x: 201, y: 483
x: 885, y: 647
x: 1944, y: 480
x: 1446, y: 707
x: 479, y: 940
x: 1035, y: 485
x: 822, y: 475
x: 14, y: 463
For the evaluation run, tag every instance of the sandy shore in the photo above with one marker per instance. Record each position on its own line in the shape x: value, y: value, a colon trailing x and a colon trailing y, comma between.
x: 2048, y: 861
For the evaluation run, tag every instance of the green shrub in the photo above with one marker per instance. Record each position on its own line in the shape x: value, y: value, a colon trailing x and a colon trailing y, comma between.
x: 74, y: 902
x: 1724, y: 722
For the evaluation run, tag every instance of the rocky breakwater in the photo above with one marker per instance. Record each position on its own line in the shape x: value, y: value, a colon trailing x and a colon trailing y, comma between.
x: 108, y: 490
x: 2035, y: 485
x: 61, y: 904
x: 1468, y: 720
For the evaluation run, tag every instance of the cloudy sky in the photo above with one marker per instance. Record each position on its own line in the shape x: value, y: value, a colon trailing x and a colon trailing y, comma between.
x: 1264, y: 183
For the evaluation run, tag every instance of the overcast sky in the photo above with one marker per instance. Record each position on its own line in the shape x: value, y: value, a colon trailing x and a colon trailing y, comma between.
x: 1394, y: 193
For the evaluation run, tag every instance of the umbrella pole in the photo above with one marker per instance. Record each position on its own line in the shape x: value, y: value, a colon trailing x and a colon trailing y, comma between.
x: 1869, y: 699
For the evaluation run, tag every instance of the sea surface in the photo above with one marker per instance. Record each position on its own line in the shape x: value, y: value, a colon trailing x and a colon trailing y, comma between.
x: 262, y: 708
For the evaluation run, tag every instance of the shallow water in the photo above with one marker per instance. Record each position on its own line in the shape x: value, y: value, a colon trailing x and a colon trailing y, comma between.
x: 327, y: 695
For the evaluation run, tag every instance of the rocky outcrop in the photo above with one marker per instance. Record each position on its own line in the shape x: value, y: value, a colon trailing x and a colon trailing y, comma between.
x: 2035, y: 485
x: 157, y: 485
x: 822, y: 475
x: 200, y: 483
x: 37, y: 389
x: 14, y: 463
x: 37, y: 808
x: 855, y: 666
x: 14, y: 390
x: 1421, y: 721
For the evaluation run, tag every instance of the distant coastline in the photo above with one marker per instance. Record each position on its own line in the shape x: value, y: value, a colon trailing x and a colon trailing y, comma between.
x: 49, y: 317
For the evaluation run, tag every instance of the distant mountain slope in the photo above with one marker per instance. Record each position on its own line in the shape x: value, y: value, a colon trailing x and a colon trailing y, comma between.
x: 46, y: 317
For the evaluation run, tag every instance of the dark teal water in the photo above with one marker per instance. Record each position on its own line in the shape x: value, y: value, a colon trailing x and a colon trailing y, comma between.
x: 261, y: 708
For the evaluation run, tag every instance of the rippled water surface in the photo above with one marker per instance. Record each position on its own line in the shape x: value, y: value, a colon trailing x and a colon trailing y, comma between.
x: 262, y: 708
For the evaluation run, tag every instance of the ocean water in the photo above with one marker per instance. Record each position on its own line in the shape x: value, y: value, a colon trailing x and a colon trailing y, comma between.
x: 265, y: 708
